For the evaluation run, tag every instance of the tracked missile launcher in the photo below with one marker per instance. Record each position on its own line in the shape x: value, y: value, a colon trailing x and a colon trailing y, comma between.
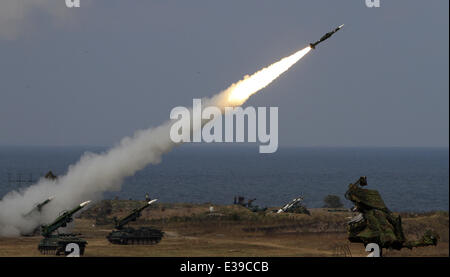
x: 129, y: 235
x: 35, y: 212
x: 142, y: 235
x: 62, y: 244
x: 38, y: 207
x: 295, y: 206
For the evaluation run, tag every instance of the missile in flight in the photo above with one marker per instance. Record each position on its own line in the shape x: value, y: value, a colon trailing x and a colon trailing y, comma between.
x: 324, y: 37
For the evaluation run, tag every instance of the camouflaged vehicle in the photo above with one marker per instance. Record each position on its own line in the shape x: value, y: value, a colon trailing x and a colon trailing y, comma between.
x: 375, y: 223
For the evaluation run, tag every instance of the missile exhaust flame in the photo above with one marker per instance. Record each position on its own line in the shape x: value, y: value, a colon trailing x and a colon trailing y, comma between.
x: 242, y: 90
x: 94, y: 174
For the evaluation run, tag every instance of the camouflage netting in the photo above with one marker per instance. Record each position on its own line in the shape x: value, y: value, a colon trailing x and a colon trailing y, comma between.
x: 366, y: 199
x: 376, y: 224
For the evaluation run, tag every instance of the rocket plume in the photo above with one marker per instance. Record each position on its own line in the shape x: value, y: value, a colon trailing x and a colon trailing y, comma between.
x: 239, y: 92
x: 94, y: 174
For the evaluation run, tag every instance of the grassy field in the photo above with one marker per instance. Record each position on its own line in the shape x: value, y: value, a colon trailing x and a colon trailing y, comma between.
x: 191, y: 230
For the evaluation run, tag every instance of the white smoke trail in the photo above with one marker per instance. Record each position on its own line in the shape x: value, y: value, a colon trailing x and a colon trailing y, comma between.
x: 97, y: 173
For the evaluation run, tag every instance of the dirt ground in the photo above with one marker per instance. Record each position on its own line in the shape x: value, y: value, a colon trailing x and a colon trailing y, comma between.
x: 191, y: 230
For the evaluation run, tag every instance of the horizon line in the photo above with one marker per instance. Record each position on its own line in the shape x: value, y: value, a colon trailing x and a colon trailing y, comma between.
x: 237, y: 145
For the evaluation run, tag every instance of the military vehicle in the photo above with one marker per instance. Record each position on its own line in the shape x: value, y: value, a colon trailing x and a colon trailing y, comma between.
x: 129, y: 235
x: 240, y: 200
x: 57, y: 244
x: 38, y: 207
x: 35, y: 211
x: 256, y: 208
x: 295, y: 206
x: 375, y: 223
